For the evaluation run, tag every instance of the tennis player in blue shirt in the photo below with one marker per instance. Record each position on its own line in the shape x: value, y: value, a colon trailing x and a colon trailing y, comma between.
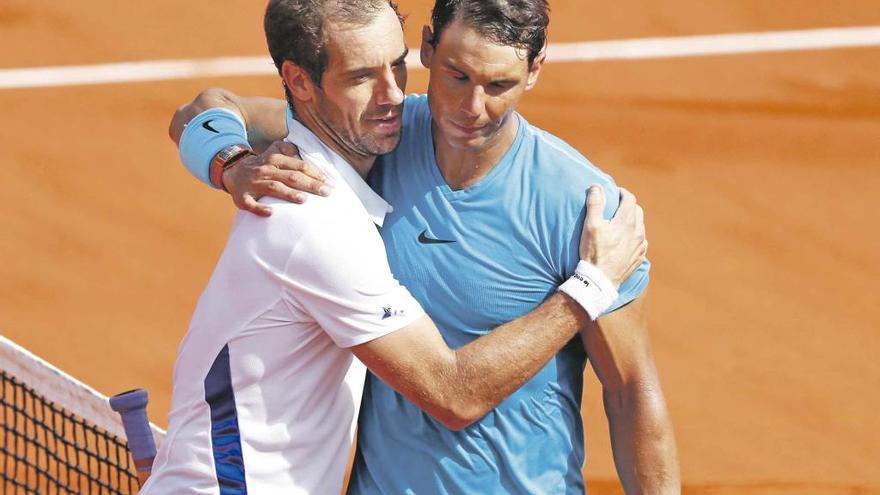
x: 487, y: 215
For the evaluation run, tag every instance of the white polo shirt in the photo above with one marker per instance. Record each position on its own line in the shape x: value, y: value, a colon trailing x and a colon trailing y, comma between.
x: 266, y: 393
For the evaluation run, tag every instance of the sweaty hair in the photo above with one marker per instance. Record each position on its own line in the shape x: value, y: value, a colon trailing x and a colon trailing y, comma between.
x: 521, y: 24
x: 295, y: 29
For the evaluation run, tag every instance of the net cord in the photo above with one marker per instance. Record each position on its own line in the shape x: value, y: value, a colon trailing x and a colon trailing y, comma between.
x: 64, y: 390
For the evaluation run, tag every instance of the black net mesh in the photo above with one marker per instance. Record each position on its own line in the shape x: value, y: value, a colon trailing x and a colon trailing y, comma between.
x: 45, y: 449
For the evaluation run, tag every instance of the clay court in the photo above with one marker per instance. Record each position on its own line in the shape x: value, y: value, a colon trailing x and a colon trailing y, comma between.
x: 757, y: 172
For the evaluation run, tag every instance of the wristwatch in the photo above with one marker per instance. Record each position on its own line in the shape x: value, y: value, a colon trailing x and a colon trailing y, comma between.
x: 224, y: 159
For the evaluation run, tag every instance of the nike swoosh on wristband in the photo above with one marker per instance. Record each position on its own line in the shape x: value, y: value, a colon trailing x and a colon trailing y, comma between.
x: 424, y: 239
x: 207, y: 125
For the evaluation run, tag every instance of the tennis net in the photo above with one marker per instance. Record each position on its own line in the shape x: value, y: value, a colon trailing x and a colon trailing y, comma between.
x: 58, y: 435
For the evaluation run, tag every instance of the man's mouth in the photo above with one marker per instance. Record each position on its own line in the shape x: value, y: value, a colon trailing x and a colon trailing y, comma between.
x: 468, y: 129
x: 388, y: 122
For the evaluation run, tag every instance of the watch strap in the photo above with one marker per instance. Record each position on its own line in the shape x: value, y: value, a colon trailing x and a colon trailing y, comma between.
x: 224, y: 159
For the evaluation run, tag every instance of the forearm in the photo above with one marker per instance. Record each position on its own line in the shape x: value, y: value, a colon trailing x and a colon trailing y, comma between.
x: 486, y: 371
x: 209, y: 98
x: 642, y: 439
x: 264, y: 118
x: 458, y: 387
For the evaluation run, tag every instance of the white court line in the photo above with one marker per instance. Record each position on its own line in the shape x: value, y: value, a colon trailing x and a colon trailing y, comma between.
x: 640, y: 48
x: 716, y: 44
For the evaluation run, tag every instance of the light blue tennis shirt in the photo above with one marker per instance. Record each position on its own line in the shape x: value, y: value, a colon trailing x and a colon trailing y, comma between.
x: 475, y: 259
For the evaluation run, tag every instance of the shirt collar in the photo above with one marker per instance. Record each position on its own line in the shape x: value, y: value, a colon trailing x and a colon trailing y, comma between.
x: 312, y: 149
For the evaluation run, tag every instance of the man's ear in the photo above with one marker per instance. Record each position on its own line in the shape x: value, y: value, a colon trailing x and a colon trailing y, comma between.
x: 535, y: 69
x: 298, y: 81
x: 427, y: 46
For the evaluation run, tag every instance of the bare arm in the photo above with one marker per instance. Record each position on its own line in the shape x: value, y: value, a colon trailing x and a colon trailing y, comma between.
x: 642, y: 438
x: 277, y: 171
x: 265, y: 117
x: 458, y: 387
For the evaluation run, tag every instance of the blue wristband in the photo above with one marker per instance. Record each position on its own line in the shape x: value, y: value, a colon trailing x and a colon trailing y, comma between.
x: 204, y: 137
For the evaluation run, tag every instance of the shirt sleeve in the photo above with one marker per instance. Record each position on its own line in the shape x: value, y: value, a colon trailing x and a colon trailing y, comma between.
x: 337, y: 272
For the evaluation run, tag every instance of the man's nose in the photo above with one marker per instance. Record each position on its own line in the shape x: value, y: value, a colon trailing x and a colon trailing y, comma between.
x: 389, y: 91
x: 474, y: 103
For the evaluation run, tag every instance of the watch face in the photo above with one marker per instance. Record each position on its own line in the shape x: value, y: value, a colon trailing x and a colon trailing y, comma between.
x: 229, y: 152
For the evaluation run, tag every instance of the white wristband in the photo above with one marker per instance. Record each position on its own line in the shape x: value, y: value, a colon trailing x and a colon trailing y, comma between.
x: 591, y: 288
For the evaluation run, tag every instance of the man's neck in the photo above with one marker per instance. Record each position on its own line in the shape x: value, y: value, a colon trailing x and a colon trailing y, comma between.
x: 464, y: 168
x: 361, y: 163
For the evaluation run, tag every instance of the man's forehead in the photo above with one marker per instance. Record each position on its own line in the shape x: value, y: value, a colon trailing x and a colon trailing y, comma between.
x: 354, y: 46
x: 461, y: 44
x: 344, y: 57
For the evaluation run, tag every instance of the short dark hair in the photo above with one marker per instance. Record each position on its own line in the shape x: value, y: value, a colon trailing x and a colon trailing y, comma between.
x: 295, y: 29
x: 518, y: 23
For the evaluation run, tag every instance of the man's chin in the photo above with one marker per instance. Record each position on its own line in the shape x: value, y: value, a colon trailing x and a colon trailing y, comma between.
x: 381, y: 145
x: 391, y: 141
x: 466, y: 144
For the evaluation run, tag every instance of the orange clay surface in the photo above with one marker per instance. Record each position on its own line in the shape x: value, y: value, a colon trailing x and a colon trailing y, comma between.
x: 758, y: 173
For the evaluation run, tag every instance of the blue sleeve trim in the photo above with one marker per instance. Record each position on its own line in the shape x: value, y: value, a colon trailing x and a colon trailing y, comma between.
x: 205, y: 135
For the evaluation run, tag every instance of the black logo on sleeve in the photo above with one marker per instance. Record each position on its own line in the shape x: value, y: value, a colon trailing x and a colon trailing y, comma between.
x: 390, y: 312
x: 207, y: 125
x: 424, y: 239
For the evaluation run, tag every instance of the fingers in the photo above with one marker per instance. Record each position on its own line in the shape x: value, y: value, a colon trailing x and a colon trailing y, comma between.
x: 639, y: 257
x: 595, y: 206
x: 314, y: 173
x: 286, y: 157
x: 248, y: 203
x: 288, y: 149
x: 278, y: 190
x: 282, y: 147
x: 248, y: 175
x: 274, y: 173
x: 640, y: 215
x: 281, y: 162
x: 636, y: 262
x: 295, y: 180
x: 627, y: 206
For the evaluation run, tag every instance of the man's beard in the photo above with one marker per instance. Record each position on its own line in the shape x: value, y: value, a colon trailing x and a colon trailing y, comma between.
x: 366, y: 144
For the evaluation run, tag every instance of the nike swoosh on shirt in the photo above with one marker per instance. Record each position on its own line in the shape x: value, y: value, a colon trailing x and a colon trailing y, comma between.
x: 424, y: 239
x: 207, y: 125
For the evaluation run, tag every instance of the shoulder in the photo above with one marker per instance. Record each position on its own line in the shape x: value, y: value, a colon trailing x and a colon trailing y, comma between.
x: 556, y: 158
x: 562, y: 171
x: 323, y: 242
x: 293, y: 228
x: 339, y: 215
x: 416, y: 111
x: 287, y: 223
x: 415, y: 101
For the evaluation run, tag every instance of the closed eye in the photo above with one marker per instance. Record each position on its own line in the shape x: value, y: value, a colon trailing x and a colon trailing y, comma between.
x: 360, y: 77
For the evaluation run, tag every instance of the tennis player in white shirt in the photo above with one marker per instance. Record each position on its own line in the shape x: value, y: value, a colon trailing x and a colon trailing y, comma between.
x: 266, y: 387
